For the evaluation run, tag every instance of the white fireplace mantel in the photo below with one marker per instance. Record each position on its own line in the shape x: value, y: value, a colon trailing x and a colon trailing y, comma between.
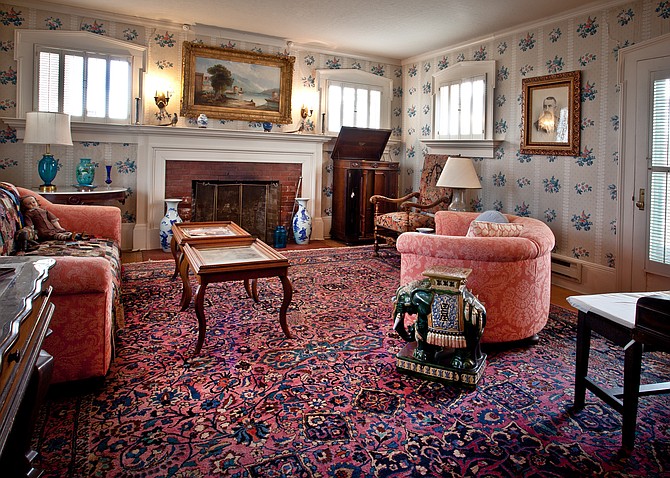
x: 190, y: 144
x: 158, y: 144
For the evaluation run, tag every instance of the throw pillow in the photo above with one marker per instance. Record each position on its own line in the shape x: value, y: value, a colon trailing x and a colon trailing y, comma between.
x: 492, y: 216
x: 494, y: 229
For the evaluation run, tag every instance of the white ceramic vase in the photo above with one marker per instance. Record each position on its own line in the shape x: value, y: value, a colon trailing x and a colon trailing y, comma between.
x: 302, y: 222
x: 171, y: 217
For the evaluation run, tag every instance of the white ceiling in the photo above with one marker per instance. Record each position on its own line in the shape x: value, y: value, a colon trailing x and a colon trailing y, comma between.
x: 394, y: 29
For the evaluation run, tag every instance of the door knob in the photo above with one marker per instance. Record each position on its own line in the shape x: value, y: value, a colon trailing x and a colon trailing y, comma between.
x: 640, y: 200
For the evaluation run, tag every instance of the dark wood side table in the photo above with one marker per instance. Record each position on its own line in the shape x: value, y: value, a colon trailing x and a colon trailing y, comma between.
x: 244, y: 259
x: 71, y: 195
x: 25, y: 370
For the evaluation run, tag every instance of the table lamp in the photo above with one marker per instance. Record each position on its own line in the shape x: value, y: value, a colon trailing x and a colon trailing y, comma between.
x: 459, y: 174
x: 47, y: 128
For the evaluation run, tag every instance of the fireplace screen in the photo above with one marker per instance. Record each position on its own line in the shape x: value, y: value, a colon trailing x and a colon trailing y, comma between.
x: 254, y: 205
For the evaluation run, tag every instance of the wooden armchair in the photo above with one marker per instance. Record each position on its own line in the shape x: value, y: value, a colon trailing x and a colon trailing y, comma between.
x: 416, y: 209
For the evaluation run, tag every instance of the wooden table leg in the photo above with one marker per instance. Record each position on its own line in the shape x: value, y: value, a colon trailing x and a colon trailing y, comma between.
x: 631, y: 392
x: 583, y: 350
x: 251, y: 286
x: 288, y: 296
x: 186, y: 288
x: 200, y: 314
x: 174, y: 248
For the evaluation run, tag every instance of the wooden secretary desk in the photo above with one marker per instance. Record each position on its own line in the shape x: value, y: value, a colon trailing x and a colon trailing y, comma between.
x: 358, y: 174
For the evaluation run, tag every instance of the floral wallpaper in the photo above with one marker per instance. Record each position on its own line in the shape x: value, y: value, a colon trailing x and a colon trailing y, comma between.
x: 576, y: 196
x: 165, y: 57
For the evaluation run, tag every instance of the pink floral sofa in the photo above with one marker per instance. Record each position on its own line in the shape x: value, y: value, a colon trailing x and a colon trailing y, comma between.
x: 510, y: 275
x: 86, y: 287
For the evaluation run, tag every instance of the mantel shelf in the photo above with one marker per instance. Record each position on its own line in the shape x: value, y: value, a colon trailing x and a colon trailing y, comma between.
x: 130, y: 133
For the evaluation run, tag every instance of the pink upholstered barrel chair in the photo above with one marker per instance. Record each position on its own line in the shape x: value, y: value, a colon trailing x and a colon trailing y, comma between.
x: 510, y: 275
x: 416, y: 209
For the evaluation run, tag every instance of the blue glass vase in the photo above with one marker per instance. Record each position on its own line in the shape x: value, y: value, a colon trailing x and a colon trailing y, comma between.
x: 280, y: 237
x: 85, y: 172
x: 47, y: 168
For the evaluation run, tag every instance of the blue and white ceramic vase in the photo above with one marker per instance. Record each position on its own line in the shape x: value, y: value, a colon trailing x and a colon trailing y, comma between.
x: 302, y: 222
x: 202, y: 121
x: 85, y: 172
x: 165, y: 228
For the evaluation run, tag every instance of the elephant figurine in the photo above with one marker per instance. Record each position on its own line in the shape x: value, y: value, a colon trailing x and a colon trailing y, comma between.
x: 415, y: 297
x: 450, y: 320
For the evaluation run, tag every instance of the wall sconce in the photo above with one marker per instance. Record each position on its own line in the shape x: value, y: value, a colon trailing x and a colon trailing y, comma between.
x: 305, y: 113
x: 162, y: 99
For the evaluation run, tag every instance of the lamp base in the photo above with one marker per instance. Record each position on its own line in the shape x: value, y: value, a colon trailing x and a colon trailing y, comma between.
x: 47, y: 188
x: 457, y: 201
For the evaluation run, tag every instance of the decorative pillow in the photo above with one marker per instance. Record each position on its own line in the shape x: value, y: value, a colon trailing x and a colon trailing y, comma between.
x: 494, y: 229
x: 492, y: 216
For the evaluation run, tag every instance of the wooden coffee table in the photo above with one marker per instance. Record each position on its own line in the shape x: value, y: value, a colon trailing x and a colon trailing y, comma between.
x: 201, y: 233
x: 244, y: 258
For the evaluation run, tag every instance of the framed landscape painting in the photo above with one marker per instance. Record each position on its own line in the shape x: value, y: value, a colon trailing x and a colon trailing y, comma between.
x: 236, y: 85
x: 551, y: 114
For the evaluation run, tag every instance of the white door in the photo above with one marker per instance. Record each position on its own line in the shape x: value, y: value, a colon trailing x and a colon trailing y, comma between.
x: 651, y: 199
x: 643, y: 260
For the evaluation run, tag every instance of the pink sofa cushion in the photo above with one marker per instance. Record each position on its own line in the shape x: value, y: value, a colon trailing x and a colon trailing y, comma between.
x: 494, y: 229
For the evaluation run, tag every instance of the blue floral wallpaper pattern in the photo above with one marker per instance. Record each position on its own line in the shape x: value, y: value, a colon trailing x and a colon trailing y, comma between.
x: 575, y: 196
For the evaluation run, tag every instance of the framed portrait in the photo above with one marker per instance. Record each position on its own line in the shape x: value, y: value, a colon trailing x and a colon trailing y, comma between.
x: 551, y: 114
x: 236, y: 85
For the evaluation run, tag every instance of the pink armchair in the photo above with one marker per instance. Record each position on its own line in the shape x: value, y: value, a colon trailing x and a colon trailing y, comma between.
x: 510, y: 275
x: 84, y: 291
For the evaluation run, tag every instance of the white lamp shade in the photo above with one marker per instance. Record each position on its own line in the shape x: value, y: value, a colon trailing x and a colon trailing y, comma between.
x: 47, y: 128
x: 459, y: 173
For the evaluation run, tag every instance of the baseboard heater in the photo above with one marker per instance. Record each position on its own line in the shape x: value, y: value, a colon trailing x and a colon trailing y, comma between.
x: 566, y: 268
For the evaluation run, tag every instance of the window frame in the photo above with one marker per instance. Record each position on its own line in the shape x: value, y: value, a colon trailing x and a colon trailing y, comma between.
x: 352, y: 77
x: 475, y: 147
x: 25, y: 53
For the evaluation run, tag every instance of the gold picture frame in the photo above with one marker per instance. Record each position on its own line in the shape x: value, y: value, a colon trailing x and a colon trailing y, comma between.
x: 551, y: 114
x: 237, y: 85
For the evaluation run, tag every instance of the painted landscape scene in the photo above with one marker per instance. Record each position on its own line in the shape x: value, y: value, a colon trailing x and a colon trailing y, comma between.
x: 233, y: 84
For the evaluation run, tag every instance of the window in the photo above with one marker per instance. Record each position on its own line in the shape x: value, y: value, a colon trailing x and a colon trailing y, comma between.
x: 83, y: 85
x: 91, y: 77
x: 659, y: 210
x: 354, y: 98
x: 464, y: 101
x: 461, y: 109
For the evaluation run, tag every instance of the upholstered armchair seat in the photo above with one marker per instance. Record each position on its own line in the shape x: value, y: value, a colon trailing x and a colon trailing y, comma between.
x: 402, y: 221
x: 416, y: 209
x: 510, y: 275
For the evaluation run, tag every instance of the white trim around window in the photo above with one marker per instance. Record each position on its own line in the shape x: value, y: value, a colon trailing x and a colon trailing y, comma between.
x: 25, y: 42
x: 357, y: 79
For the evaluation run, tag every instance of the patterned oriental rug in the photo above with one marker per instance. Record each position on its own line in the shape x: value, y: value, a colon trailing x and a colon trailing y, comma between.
x: 329, y: 403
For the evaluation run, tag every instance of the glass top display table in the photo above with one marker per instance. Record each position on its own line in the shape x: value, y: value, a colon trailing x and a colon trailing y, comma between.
x: 243, y: 258
x: 216, y: 232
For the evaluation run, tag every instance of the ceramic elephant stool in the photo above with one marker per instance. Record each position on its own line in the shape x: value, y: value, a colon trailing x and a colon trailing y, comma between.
x: 444, y: 341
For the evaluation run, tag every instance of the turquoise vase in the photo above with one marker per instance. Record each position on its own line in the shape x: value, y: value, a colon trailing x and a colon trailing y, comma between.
x: 85, y: 172
x: 47, y: 168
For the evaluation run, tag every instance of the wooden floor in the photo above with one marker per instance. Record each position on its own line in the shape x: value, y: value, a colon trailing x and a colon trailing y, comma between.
x: 558, y: 294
